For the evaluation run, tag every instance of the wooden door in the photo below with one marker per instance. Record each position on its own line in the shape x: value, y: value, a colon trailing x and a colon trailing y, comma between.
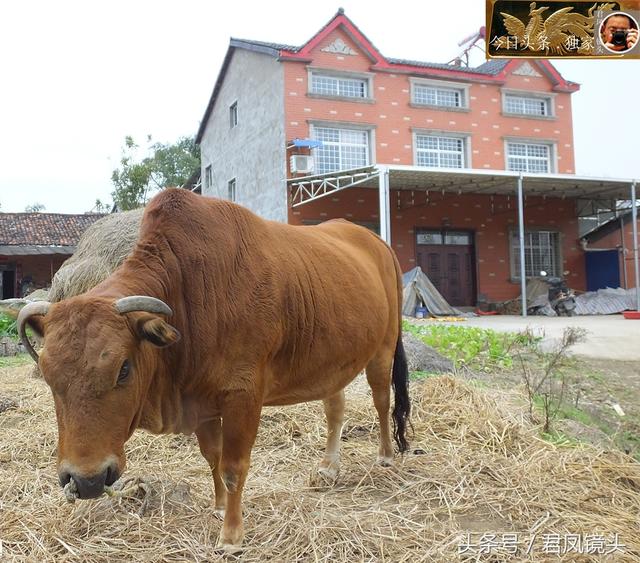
x: 449, y: 265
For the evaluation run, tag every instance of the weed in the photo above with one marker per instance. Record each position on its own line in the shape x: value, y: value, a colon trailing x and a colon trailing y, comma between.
x: 8, y: 326
x: 547, y: 389
x: 559, y: 439
x: 14, y: 361
x: 418, y: 375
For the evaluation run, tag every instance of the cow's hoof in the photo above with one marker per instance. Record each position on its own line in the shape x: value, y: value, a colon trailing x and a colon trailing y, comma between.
x: 228, y: 549
x: 384, y: 461
x: 229, y: 546
x: 325, y: 476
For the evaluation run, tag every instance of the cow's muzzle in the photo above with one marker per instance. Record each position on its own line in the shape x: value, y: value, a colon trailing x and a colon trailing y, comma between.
x: 91, y: 486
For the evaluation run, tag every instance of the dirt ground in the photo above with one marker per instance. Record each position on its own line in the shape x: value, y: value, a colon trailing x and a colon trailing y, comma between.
x: 594, y: 388
x: 475, y: 467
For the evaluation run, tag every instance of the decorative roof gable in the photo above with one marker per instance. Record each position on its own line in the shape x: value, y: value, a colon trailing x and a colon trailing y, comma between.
x: 525, y: 69
x: 342, y: 22
x: 339, y: 47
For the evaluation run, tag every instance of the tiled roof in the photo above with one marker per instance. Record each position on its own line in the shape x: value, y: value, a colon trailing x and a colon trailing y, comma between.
x: 494, y: 66
x: 266, y: 44
x: 491, y: 67
x: 44, y: 229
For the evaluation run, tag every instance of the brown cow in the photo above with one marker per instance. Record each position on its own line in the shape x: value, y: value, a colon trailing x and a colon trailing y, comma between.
x: 262, y: 313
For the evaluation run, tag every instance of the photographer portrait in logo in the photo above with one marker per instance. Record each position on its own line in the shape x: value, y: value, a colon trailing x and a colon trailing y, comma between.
x: 619, y: 32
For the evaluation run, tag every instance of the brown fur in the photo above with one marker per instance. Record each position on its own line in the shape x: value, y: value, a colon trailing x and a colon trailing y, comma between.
x: 263, y: 314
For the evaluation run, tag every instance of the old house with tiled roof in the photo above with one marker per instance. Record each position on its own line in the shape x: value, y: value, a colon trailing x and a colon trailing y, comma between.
x: 468, y: 172
x: 34, y: 245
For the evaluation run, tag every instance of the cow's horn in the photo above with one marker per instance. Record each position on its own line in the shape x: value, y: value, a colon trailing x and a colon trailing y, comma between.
x: 39, y: 308
x: 142, y: 303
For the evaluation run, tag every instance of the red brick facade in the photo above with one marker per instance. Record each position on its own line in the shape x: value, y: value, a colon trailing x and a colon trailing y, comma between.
x: 393, y: 119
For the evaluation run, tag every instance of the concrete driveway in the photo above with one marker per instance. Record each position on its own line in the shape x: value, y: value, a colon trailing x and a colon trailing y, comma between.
x: 608, y: 336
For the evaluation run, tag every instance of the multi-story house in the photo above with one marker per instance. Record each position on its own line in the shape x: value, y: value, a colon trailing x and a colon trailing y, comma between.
x: 354, y: 108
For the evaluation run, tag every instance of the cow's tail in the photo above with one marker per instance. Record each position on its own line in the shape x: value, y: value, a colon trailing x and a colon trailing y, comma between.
x: 402, y: 406
x: 400, y: 378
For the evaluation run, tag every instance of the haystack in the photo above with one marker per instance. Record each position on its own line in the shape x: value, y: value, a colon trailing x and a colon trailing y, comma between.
x: 475, y: 466
x: 101, y: 249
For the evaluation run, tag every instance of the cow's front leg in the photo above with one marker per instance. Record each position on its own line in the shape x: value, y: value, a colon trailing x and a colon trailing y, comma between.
x: 240, y: 419
x: 329, y: 467
x: 210, y: 441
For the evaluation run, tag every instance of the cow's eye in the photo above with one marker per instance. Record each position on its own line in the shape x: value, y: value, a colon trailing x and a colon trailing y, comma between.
x: 124, y: 372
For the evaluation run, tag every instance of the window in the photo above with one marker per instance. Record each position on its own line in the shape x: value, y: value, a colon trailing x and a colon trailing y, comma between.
x: 208, y: 177
x: 231, y: 189
x: 525, y: 105
x: 455, y: 238
x: 325, y: 85
x: 528, y: 157
x: 341, y: 149
x: 440, y: 152
x: 437, y: 96
x: 541, y: 253
x: 233, y: 114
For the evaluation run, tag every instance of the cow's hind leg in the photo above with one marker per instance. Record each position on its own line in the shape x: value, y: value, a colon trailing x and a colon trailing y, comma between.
x: 329, y: 467
x: 379, y: 378
x: 210, y: 441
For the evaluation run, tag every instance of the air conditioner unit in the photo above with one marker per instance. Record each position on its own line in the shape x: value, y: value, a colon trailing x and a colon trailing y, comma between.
x: 301, y: 164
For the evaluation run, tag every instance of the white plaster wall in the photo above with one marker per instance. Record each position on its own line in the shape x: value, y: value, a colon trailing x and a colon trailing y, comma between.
x: 254, y: 151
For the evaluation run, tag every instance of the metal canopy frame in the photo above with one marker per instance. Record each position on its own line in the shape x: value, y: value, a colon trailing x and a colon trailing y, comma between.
x: 309, y: 188
x: 470, y: 181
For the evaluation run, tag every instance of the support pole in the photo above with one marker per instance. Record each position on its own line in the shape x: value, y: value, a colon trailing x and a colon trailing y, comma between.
x: 636, y: 267
x: 624, y: 253
x: 383, y: 192
x: 523, y: 276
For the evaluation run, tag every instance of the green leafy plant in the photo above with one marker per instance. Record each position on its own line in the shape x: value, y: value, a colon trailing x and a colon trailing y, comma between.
x: 480, y: 349
x: 8, y: 326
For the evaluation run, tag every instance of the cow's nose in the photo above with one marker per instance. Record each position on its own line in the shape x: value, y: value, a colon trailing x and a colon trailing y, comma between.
x: 91, y: 486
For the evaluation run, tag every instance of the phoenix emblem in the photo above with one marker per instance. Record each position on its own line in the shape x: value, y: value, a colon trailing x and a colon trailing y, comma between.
x: 563, y: 32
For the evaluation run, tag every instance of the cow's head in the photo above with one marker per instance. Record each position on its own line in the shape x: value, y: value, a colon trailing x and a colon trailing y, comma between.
x: 98, y: 358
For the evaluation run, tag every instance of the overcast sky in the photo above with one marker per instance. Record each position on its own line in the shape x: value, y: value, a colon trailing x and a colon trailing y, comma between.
x: 77, y: 76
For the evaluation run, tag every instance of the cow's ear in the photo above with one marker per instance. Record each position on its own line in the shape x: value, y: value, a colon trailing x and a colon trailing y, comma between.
x: 156, y: 331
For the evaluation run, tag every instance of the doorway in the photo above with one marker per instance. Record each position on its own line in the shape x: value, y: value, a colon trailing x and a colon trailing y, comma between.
x: 7, y: 283
x: 447, y: 257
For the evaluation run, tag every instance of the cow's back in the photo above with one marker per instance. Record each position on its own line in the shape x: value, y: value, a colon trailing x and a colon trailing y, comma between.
x: 302, y: 301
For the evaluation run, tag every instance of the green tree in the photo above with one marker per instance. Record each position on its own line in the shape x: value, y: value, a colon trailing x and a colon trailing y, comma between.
x: 100, y: 207
x: 34, y: 208
x: 164, y: 165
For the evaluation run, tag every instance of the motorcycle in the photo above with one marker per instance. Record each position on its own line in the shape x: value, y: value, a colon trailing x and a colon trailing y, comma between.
x: 562, y: 299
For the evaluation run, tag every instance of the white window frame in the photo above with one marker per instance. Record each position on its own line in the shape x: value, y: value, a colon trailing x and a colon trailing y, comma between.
x: 464, y: 137
x: 441, y: 85
x: 208, y: 177
x: 365, y: 77
x: 232, y: 187
x: 514, y: 252
x: 369, y: 130
x: 233, y: 115
x: 548, y: 97
x: 551, y: 151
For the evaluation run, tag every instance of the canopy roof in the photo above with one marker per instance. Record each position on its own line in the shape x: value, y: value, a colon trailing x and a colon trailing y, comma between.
x: 467, y: 181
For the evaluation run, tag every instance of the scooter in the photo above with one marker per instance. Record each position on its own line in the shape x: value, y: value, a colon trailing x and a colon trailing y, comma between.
x: 562, y: 299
